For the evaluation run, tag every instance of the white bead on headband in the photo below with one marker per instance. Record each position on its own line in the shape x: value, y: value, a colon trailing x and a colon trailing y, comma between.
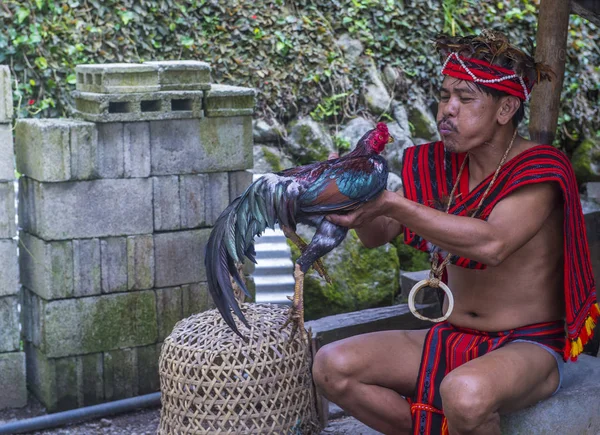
x: 478, y: 80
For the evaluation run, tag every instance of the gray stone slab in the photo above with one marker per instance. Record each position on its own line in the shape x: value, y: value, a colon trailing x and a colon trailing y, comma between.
x: 195, y: 299
x: 43, y: 149
x: 67, y: 390
x: 167, y: 213
x: 10, y: 329
x: 111, y: 150
x: 65, y: 383
x: 97, y: 324
x: 239, y: 181
x: 8, y: 227
x: 148, y: 379
x: 219, y: 196
x: 201, y: 145
x: 332, y: 328
x: 113, y: 254
x: 7, y: 153
x: 182, y: 74
x: 224, y: 100
x: 41, y: 376
x: 409, y: 279
x: 91, y: 381
x: 46, y: 268
x: 140, y: 262
x: 574, y: 409
x: 84, y: 151
x: 32, y: 318
x: 85, y: 209
x: 193, y: 194
x: 6, y: 99
x: 117, y: 78
x: 86, y: 267
x: 136, y: 149
x: 348, y: 426
x: 169, y: 309
x: 593, y: 190
x: 139, y: 107
x: 180, y: 257
x: 13, y: 380
x: 9, y: 272
x: 202, y: 198
x: 56, y: 149
x: 120, y: 374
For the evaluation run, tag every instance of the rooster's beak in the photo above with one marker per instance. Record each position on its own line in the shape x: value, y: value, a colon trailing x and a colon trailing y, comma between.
x: 391, y: 139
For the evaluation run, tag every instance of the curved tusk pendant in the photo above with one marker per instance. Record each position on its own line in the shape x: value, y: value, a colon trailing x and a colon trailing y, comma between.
x: 428, y: 283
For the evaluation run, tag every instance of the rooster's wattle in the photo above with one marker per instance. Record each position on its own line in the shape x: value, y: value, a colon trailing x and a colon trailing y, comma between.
x: 304, y: 194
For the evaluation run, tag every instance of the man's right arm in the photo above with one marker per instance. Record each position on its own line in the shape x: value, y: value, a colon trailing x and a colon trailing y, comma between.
x: 379, y: 231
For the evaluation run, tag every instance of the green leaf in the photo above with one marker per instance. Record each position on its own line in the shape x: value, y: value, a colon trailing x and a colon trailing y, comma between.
x: 22, y: 14
x: 187, y: 42
x: 71, y: 79
x: 41, y: 63
x: 127, y: 16
x: 39, y: 4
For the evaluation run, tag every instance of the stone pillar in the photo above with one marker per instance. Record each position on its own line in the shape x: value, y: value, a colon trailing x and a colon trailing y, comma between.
x: 116, y: 211
x: 12, y: 359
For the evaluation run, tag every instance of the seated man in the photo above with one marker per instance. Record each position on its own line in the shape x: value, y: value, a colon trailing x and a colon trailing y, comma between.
x: 508, y: 212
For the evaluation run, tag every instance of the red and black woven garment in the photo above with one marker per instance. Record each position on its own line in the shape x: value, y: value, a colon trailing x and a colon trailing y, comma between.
x: 448, y: 347
x: 428, y: 175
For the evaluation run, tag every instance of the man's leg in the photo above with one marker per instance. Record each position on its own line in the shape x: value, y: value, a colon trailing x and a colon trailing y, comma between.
x: 368, y: 374
x: 510, y: 378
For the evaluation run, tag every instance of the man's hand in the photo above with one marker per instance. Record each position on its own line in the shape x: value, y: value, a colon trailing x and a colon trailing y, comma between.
x: 364, y: 214
x: 370, y: 220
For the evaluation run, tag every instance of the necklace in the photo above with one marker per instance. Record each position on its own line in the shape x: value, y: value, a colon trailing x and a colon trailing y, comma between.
x: 437, y: 270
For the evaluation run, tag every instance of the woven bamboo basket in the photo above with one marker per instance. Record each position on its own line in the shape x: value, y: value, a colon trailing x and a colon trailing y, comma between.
x: 213, y: 382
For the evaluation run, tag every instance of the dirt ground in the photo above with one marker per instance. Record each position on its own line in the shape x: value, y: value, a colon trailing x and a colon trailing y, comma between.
x: 143, y: 422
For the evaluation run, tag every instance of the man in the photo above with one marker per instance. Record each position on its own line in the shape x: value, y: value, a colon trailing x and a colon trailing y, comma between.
x: 507, y: 209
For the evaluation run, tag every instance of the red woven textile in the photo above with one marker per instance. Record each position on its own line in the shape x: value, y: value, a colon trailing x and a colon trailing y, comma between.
x: 428, y: 174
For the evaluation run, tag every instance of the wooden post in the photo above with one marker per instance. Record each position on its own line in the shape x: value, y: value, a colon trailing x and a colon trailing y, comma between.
x: 551, y: 38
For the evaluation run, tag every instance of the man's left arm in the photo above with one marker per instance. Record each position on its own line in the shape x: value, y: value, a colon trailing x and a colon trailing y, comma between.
x: 512, y: 223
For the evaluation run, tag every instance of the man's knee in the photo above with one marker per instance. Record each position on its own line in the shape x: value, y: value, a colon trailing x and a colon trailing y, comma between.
x: 467, y: 400
x: 332, y: 369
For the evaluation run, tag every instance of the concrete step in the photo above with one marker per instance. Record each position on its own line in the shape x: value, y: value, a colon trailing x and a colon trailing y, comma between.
x: 274, y: 298
x: 271, y: 283
x: 272, y: 250
x: 274, y: 270
x: 274, y: 266
x: 271, y: 236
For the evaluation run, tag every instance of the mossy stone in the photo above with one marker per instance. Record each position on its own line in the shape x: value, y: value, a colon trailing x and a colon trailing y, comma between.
x: 586, y: 161
x: 362, y: 278
x: 411, y: 259
x: 309, y: 142
x: 97, y: 324
x: 272, y: 160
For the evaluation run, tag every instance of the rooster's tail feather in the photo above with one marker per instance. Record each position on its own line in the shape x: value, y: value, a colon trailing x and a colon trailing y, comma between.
x: 266, y: 202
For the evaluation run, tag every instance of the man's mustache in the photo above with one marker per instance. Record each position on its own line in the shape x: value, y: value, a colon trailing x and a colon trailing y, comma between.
x: 446, y: 124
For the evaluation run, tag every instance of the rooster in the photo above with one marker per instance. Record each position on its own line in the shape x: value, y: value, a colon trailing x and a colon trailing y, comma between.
x: 304, y: 194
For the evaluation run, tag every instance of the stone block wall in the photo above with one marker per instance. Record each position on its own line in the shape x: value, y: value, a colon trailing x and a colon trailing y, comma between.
x: 116, y: 210
x: 12, y: 357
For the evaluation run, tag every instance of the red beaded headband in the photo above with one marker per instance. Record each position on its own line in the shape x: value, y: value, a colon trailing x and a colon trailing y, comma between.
x: 492, y: 76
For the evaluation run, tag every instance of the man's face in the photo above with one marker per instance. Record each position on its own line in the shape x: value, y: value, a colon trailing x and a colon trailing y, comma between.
x: 466, y: 118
